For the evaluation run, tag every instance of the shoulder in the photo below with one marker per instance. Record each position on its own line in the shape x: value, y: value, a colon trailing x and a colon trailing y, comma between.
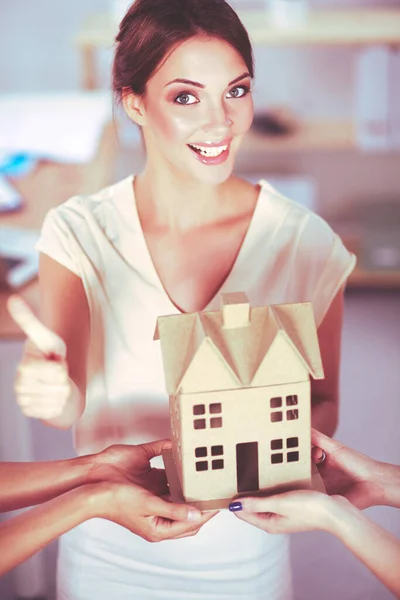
x: 96, y: 208
x: 299, y: 221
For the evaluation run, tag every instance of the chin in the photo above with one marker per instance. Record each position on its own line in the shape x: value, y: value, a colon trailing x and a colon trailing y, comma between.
x: 214, y: 176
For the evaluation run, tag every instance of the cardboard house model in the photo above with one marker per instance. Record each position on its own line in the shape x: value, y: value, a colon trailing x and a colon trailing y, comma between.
x: 238, y: 381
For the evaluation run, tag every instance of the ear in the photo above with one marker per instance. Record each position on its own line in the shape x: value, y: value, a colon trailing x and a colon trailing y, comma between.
x: 134, y: 106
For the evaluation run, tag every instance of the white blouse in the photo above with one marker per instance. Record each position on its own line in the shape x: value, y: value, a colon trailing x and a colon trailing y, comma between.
x: 289, y: 254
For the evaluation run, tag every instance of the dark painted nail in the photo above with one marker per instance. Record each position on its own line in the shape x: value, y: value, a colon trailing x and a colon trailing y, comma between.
x: 235, y: 506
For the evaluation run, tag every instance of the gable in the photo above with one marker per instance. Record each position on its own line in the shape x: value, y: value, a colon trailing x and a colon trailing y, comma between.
x: 281, y: 364
x: 208, y: 371
x: 298, y: 322
x: 175, y: 334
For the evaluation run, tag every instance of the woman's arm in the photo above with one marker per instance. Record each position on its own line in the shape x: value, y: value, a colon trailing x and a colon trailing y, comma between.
x: 376, y: 548
x: 128, y: 505
x: 325, y: 392
x: 127, y: 492
x: 26, y: 484
x: 51, y: 377
x: 64, y: 309
x: 307, y: 510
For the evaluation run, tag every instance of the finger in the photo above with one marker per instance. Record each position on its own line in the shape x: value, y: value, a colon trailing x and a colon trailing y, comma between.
x: 172, y: 511
x: 34, y: 367
x: 270, y: 504
x: 38, y: 389
x: 324, y: 442
x: 42, y: 413
x: 175, y: 529
x: 269, y: 523
x: 28, y: 400
x: 153, y: 449
x: 47, y: 341
x: 318, y: 455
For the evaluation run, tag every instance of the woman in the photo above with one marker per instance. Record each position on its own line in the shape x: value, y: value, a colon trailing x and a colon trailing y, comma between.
x: 116, y: 484
x: 354, y: 482
x: 168, y: 241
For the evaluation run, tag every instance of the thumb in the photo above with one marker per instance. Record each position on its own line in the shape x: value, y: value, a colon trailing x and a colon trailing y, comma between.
x: 173, y: 511
x: 324, y: 442
x: 153, y: 449
x: 259, y: 504
x: 43, y: 338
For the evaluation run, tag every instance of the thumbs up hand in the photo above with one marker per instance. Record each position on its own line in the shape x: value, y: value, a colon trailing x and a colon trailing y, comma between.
x: 42, y: 385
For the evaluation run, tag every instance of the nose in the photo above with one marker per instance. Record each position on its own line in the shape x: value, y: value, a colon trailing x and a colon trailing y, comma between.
x: 218, y: 119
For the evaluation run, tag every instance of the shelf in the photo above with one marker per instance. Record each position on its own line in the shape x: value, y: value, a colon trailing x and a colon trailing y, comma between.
x: 364, y: 279
x: 344, y: 27
x: 316, y: 135
x: 327, y: 27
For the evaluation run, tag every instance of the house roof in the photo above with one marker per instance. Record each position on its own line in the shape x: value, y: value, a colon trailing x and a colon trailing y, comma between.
x: 221, y: 357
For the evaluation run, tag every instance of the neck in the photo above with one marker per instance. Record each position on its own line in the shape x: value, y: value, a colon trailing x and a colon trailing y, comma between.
x: 167, y: 201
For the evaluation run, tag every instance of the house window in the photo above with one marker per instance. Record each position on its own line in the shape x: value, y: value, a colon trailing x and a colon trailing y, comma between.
x: 276, y: 444
x: 202, y: 465
x: 216, y: 463
x: 292, y: 456
x: 291, y: 401
x: 292, y: 442
x: 277, y: 458
x: 213, y: 409
x: 276, y: 402
x: 292, y: 415
x: 201, y: 452
x: 276, y: 416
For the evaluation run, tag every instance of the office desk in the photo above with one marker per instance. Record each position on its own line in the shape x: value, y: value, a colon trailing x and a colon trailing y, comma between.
x: 47, y: 186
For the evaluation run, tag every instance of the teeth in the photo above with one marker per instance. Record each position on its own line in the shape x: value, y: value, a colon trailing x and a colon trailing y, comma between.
x: 209, y: 152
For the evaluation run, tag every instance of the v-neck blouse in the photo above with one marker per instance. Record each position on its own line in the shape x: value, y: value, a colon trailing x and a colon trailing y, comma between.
x: 289, y: 254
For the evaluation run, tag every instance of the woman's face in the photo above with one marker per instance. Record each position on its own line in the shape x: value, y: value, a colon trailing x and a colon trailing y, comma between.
x: 196, y: 110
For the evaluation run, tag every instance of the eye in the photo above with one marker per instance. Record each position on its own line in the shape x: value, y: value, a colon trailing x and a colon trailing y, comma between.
x: 185, y: 98
x: 239, y: 91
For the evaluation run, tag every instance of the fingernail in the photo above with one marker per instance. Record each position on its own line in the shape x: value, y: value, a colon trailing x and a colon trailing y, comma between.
x: 235, y: 506
x: 194, y: 515
x: 322, y: 457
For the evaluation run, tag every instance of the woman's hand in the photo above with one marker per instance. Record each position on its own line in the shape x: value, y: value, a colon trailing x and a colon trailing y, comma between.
x: 348, y: 473
x: 291, y: 512
x: 134, y: 483
x: 42, y: 385
x: 129, y: 464
x: 145, y: 514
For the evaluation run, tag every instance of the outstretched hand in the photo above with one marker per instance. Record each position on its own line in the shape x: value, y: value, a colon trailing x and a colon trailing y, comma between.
x: 149, y: 516
x: 291, y: 512
x: 346, y: 472
x: 351, y: 480
x: 42, y: 385
x: 133, y: 493
x: 130, y: 464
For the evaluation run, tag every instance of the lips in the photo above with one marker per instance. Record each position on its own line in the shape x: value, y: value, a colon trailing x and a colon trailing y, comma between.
x: 209, y: 151
x: 212, y: 152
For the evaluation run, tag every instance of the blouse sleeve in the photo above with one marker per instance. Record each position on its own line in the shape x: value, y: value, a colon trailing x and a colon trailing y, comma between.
x: 327, y: 261
x: 57, y: 241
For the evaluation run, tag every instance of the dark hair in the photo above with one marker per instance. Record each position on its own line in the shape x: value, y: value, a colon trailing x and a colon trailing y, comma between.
x: 151, y: 29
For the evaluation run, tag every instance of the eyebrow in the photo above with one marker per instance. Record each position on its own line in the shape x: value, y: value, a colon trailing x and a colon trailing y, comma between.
x: 200, y: 85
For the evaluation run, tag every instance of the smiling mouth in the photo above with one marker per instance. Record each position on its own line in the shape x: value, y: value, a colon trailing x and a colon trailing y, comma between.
x: 209, y: 152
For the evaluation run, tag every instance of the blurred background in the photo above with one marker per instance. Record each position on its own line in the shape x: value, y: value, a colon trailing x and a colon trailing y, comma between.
x: 326, y: 133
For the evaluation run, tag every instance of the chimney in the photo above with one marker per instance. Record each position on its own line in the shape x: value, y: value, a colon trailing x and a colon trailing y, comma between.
x: 235, y: 310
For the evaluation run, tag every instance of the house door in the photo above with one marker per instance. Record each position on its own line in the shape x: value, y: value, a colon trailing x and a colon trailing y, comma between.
x: 247, y: 467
